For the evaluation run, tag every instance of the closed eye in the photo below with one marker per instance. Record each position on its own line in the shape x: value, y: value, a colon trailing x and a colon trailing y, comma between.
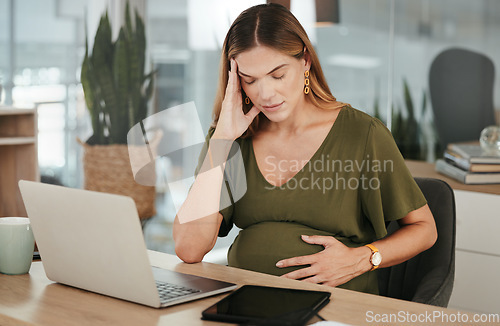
x: 279, y: 77
x: 249, y: 82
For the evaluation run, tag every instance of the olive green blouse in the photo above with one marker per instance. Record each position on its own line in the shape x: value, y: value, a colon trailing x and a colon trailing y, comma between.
x: 355, y: 182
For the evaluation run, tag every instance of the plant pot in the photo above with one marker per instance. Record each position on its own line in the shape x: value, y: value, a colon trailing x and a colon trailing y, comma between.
x: 107, y: 169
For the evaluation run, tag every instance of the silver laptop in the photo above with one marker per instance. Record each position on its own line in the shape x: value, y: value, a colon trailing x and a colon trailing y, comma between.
x: 94, y: 241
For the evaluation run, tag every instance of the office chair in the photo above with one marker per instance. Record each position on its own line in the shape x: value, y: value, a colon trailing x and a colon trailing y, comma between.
x: 461, y: 91
x: 428, y: 277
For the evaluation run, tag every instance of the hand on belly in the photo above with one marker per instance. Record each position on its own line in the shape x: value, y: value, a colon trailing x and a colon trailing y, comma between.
x: 333, y: 266
x: 260, y: 246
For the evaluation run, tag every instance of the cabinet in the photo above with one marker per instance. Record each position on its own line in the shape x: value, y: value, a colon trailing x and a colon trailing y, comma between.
x: 18, y: 156
x: 477, y: 263
x: 477, y: 254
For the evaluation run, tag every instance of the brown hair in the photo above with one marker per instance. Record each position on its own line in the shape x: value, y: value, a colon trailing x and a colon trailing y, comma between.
x: 273, y: 26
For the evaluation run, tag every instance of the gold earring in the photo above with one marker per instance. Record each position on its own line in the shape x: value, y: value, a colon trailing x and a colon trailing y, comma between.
x: 306, y: 82
x: 247, y: 100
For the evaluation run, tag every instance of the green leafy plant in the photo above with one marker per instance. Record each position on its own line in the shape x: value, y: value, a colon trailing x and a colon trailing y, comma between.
x: 116, y: 88
x: 412, y: 133
x: 407, y: 130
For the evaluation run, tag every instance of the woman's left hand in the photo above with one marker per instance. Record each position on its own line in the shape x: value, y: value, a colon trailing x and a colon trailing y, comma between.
x: 335, y: 265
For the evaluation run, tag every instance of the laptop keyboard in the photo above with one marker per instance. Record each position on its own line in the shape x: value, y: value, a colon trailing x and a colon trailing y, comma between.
x: 169, y: 291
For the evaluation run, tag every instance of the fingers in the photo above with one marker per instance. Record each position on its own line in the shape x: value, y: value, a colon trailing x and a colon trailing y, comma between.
x: 230, y: 80
x: 297, y: 261
x: 324, y: 241
x: 300, y: 274
x: 233, y: 83
x: 252, y: 113
x: 232, y: 73
x: 236, y: 78
x: 311, y: 276
x: 314, y: 279
x: 233, y: 91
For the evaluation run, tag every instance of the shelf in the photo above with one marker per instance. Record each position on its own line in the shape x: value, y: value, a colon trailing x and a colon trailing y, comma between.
x: 4, y: 110
x: 17, y: 140
x: 18, y: 152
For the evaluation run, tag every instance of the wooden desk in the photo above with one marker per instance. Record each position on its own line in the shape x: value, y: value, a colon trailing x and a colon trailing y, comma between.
x: 428, y: 170
x: 34, y: 300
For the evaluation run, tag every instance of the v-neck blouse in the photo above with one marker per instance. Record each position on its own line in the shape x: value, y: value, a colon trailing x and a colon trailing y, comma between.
x: 354, y: 183
x: 253, y: 158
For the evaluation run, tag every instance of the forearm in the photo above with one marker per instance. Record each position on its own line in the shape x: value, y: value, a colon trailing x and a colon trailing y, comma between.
x: 197, y: 222
x: 194, y: 239
x: 408, y: 241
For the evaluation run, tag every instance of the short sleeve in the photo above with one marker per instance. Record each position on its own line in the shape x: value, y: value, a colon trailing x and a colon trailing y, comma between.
x: 390, y: 192
x: 227, y: 212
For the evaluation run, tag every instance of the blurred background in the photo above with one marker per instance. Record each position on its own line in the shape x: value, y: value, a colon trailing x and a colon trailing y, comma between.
x: 367, y: 51
x: 370, y: 51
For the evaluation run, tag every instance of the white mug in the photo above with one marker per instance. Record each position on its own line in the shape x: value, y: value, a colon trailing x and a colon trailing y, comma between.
x: 16, y: 245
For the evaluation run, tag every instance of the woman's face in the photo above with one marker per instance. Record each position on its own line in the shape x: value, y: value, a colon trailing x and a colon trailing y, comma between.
x: 273, y: 81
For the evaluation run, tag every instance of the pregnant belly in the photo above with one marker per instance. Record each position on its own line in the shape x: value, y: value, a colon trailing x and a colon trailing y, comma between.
x: 260, y: 246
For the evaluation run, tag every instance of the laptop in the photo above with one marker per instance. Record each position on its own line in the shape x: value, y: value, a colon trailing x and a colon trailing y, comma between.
x: 94, y: 241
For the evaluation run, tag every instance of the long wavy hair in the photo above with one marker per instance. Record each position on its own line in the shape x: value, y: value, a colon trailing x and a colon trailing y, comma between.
x: 274, y: 26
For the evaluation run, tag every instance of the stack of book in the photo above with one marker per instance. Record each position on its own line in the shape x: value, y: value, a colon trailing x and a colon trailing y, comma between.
x: 469, y: 164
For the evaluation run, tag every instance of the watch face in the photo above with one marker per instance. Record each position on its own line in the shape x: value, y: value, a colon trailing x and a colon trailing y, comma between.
x: 376, y: 258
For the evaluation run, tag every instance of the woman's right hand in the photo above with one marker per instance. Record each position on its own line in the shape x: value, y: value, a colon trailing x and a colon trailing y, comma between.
x: 233, y: 122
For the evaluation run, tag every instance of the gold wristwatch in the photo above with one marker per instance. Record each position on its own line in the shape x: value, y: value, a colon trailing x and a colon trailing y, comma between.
x: 376, y: 257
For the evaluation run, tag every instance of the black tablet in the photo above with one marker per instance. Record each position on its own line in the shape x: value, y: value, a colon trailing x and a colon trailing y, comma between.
x: 262, y: 305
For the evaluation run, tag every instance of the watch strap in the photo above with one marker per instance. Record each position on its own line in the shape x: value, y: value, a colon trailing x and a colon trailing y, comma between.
x: 372, y: 247
x: 374, y: 250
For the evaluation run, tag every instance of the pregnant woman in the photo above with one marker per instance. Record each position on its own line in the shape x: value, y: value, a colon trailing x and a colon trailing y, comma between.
x: 322, y: 178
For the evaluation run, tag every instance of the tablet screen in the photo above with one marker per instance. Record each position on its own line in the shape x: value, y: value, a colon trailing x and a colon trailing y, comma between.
x: 259, y: 303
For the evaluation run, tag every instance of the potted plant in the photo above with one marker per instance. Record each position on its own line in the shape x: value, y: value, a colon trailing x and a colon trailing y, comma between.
x: 413, y: 134
x: 116, y: 92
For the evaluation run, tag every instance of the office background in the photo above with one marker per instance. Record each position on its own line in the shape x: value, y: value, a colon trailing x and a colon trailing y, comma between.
x: 366, y: 55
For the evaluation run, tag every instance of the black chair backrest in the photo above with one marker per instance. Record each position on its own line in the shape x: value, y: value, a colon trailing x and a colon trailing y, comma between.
x: 428, y: 277
x: 461, y: 91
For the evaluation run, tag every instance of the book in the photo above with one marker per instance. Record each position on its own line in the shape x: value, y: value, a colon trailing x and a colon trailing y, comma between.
x: 465, y: 164
x: 466, y: 177
x: 474, y: 153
